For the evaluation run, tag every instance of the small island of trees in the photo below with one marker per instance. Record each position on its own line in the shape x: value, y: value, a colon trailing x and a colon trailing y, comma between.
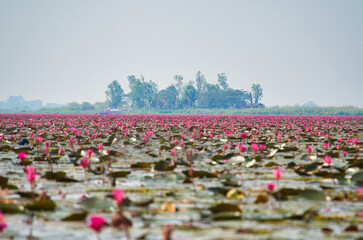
x: 182, y: 95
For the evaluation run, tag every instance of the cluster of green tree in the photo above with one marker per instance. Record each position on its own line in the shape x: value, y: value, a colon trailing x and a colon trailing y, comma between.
x: 193, y: 94
x: 288, y: 110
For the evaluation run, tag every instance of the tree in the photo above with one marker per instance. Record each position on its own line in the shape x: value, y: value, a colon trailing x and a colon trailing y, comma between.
x: 257, y: 92
x: 166, y: 98
x: 87, y: 106
x: 179, y: 84
x: 222, y: 81
x: 142, y: 93
x: 200, y: 81
x: 190, y: 94
x: 114, y: 94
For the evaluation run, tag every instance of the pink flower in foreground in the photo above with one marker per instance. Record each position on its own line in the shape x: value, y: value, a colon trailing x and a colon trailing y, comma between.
x: 84, y: 162
x: 46, y: 150
x: 39, y: 139
x: 277, y: 173
x: 355, y: 141
x: 270, y: 186
x: 100, y: 147
x: 96, y: 223
x: 327, y: 159
x: 21, y: 156
x: 89, y: 153
x: 31, y: 174
x: 2, y: 222
x: 118, y: 194
x: 310, y: 149
x: 173, y: 152
x: 60, y: 151
x: 255, y: 147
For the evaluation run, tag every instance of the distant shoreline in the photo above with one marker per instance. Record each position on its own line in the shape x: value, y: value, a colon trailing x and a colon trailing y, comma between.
x: 313, y: 111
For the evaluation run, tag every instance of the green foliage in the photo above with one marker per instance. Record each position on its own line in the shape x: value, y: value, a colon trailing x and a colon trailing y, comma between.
x: 200, y: 82
x: 87, y: 106
x: 222, y: 81
x: 257, y: 92
x: 166, y: 98
x: 114, y: 94
x: 143, y: 93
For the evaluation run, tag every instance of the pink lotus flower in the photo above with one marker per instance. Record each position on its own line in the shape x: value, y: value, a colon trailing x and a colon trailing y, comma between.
x: 326, y: 145
x: 176, y: 142
x: 338, y: 146
x: 355, y: 141
x: 190, y: 151
x: 327, y: 159
x: 31, y: 174
x: 96, y: 223
x: 345, y: 153
x: 60, y: 151
x: 89, y: 153
x: 182, y: 144
x: 100, y: 147
x: 39, y: 140
x: 46, y: 150
x: 270, y: 186
x: 277, y: 173
x: 310, y: 149
x: 340, y: 140
x: 255, y: 147
x: 84, y: 162
x: 21, y: 156
x: 225, y: 147
x: 2, y: 222
x: 262, y: 147
x: 173, y: 152
x: 118, y: 194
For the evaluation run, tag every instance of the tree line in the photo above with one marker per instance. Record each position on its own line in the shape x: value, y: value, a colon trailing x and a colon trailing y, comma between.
x: 182, y: 95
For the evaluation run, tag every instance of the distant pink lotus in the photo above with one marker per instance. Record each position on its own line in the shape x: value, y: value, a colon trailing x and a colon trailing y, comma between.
x: 270, y: 186
x: 31, y: 174
x: 89, y: 153
x: 277, y: 173
x: 96, y: 223
x: 118, y: 194
x: 327, y: 159
x: 2, y: 222
x: 173, y: 152
x: 21, y: 156
x: 84, y: 162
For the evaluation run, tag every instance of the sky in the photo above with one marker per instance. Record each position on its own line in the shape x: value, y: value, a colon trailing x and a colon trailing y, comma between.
x: 298, y: 51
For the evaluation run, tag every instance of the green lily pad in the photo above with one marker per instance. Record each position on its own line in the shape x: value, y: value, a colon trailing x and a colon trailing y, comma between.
x: 80, y: 216
x: 11, y: 208
x: 42, y: 205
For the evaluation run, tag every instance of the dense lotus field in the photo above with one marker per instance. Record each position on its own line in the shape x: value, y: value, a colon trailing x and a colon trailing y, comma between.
x: 180, y: 177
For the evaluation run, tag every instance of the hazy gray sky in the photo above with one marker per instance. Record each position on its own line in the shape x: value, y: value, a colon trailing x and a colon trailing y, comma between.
x: 63, y: 51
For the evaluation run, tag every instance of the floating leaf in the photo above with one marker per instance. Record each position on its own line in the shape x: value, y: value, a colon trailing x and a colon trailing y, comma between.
x: 141, y: 165
x: 225, y: 207
x: 313, y: 195
x: 42, y: 205
x: 119, y: 174
x: 96, y: 203
x: 81, y: 216
x: 201, y: 174
x: 11, y: 208
x: 164, y: 166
